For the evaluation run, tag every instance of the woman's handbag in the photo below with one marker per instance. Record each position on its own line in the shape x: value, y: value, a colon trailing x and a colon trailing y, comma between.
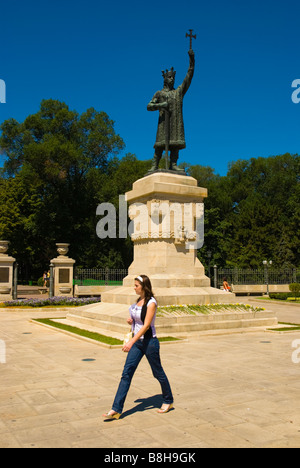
x: 127, y: 337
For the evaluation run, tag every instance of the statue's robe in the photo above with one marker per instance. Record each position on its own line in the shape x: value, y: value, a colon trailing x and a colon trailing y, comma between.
x: 174, y: 98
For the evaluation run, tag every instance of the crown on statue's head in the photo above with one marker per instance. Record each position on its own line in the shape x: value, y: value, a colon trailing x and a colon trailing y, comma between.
x: 169, y: 73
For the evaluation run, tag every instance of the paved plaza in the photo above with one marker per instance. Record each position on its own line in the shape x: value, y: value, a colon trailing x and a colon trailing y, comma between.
x: 230, y: 390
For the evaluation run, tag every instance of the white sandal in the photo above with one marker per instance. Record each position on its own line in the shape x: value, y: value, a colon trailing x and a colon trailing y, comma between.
x: 166, y: 410
x: 111, y: 415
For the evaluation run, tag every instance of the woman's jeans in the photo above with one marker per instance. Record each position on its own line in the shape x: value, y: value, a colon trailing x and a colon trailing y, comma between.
x: 150, y: 348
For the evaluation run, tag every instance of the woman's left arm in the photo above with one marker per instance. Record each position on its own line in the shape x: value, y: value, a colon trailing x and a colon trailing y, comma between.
x: 147, y: 324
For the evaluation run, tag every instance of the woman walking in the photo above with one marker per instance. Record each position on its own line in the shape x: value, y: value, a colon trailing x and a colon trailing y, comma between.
x: 144, y: 342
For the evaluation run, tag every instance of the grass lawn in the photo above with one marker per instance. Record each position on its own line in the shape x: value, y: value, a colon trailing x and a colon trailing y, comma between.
x: 294, y: 300
x: 291, y: 327
x: 78, y: 331
x: 91, y: 335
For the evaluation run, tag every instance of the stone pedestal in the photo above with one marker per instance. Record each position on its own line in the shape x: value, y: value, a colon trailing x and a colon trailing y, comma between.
x: 167, y: 216
x: 6, y: 273
x: 63, y: 267
x: 166, y: 213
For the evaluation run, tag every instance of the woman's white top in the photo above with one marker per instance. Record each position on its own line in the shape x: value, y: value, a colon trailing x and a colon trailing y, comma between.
x: 135, y: 313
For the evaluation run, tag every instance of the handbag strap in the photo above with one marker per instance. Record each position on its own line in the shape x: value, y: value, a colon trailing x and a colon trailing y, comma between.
x: 148, y: 333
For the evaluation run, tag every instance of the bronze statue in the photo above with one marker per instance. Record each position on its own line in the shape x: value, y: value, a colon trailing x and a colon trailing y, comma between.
x: 169, y: 101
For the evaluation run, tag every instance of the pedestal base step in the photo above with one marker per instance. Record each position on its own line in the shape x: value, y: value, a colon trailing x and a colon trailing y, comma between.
x: 171, y: 296
x: 110, y: 319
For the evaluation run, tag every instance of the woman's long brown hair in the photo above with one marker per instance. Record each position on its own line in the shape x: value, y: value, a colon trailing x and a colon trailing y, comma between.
x: 147, y: 288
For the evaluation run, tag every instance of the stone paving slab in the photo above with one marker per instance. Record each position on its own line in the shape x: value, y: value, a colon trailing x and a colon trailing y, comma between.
x: 235, y: 390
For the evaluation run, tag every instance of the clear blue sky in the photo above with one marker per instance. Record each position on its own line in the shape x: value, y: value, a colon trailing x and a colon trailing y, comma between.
x: 109, y: 55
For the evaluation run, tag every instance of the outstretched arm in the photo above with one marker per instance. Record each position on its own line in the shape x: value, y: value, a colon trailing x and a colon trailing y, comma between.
x: 189, y: 76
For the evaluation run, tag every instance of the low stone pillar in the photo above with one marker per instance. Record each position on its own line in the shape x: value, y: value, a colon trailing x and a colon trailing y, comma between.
x: 6, y: 272
x: 63, y: 268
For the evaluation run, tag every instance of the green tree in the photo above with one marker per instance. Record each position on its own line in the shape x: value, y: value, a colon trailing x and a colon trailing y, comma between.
x: 264, y: 201
x: 51, y: 155
x: 252, y: 213
x: 61, y: 165
x: 218, y: 208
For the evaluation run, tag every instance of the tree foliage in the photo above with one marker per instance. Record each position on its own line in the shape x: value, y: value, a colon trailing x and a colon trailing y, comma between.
x: 252, y: 213
x: 61, y: 165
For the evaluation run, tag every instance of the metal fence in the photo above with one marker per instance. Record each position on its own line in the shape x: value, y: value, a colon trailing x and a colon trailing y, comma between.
x: 115, y: 276
x: 99, y: 276
x: 259, y: 276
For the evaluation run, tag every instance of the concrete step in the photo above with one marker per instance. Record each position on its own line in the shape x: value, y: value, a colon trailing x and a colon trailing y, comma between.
x: 91, y: 328
x: 100, y: 323
x: 172, y: 325
x: 166, y: 296
x: 86, y: 315
x: 184, y: 329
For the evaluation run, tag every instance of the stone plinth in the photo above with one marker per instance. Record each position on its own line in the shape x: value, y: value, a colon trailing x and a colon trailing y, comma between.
x: 63, y: 267
x: 6, y: 273
x: 167, y: 216
x: 164, y: 209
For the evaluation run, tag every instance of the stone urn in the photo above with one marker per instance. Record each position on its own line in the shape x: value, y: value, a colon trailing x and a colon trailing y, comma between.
x: 62, y: 249
x: 3, y: 247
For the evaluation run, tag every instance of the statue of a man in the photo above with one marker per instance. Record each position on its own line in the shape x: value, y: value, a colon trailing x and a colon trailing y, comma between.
x: 169, y: 102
